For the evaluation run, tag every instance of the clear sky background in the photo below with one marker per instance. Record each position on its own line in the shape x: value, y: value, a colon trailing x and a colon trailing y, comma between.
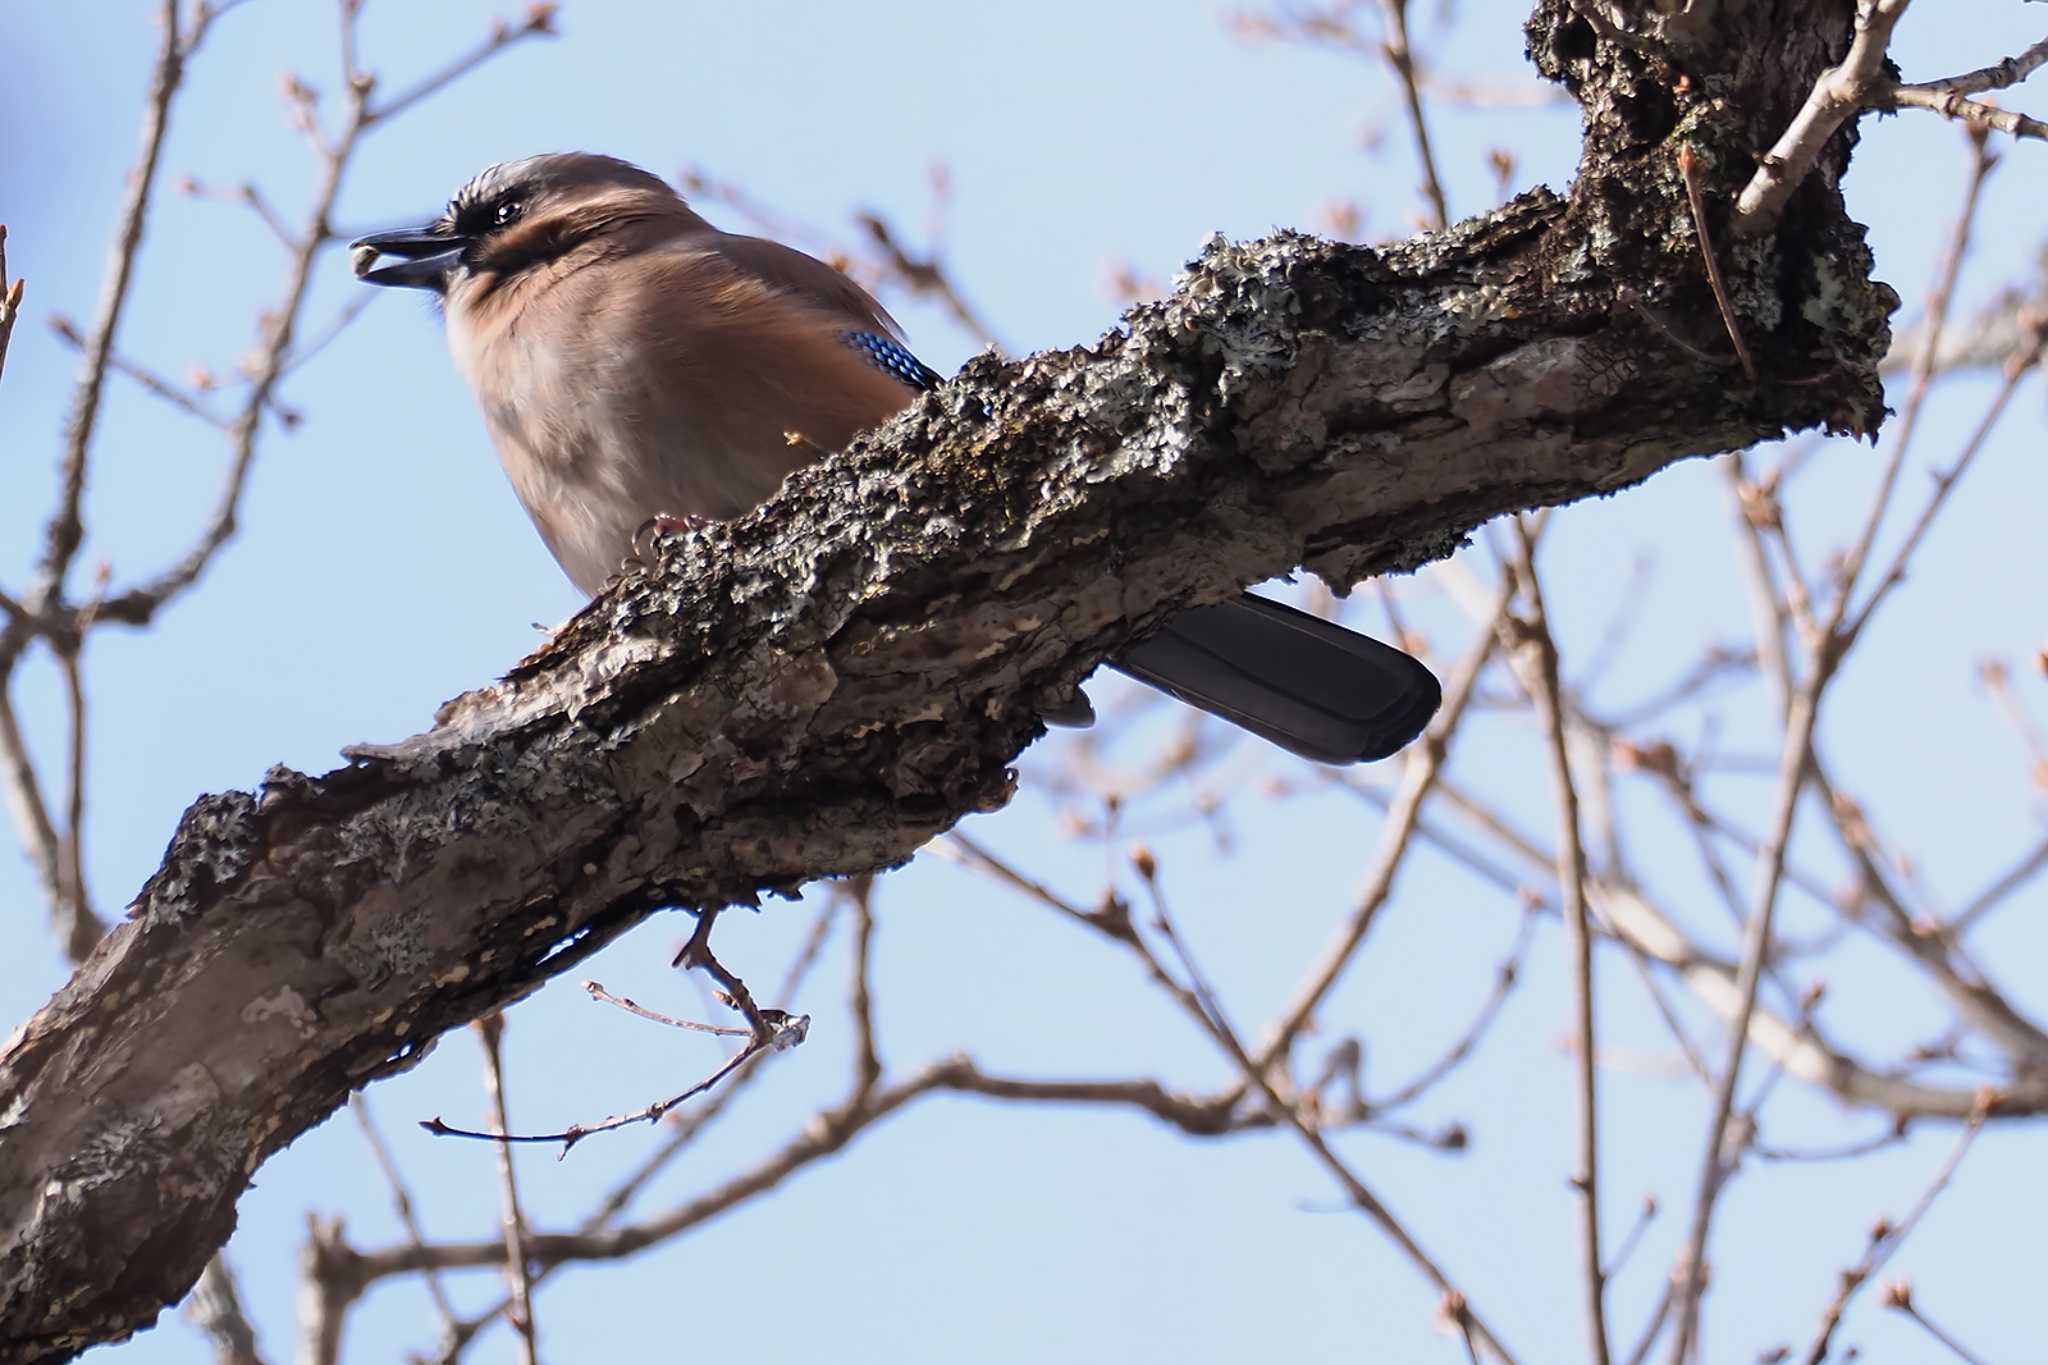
x: 384, y: 566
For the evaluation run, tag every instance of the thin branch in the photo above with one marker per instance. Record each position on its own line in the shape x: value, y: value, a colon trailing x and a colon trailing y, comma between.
x: 277, y: 356
x: 1798, y: 741
x: 1506, y: 976
x: 1845, y: 1151
x: 925, y: 274
x: 1898, y: 1297
x: 10, y: 300
x: 490, y: 1031
x: 39, y: 835
x: 249, y: 196
x: 1908, y: 421
x: 1840, y: 93
x: 137, y: 605
x: 79, y: 910
x: 320, y: 340
x: 767, y: 1030
x: 2010, y: 881
x: 860, y: 1001
x: 325, y: 1291
x: 1975, y: 114
x: 1425, y: 763
x: 1688, y: 170
x: 1985, y: 1008
x: 67, y: 526
x: 2017, y: 367
x: 1768, y: 610
x: 1887, y: 1236
x: 599, y: 993
x: 539, y: 20
x: 215, y: 1307
x: 1396, y: 49
x: 1646, y: 1214
x: 1654, y: 1328
x: 151, y: 381
x: 576, y: 1132
x: 402, y: 1205
x: 826, y: 1133
x: 1258, y: 1076
x: 1571, y: 878
x: 687, y: 1127
x: 1997, y: 76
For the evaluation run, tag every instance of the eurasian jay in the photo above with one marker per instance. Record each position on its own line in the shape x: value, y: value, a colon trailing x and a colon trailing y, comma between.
x: 635, y: 364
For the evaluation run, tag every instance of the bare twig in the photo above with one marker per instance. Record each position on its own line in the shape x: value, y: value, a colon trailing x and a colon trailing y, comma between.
x: 924, y: 274
x: 867, y: 1066
x: 539, y: 20
x: 1646, y: 1213
x: 215, y: 1307
x: 599, y: 993
x: 767, y: 1030
x: 249, y: 196
x: 1980, y: 115
x: 1505, y: 978
x: 1571, y: 879
x: 2010, y: 881
x: 1254, y: 1073
x: 1916, y: 396
x: 179, y: 398
x: 1654, y: 1328
x: 576, y: 1132
x: 1424, y: 763
x: 325, y: 1291
x: 490, y: 1031
x: 38, y: 832
x: 67, y: 525
x: 1997, y: 76
x: 1887, y: 1236
x: 2017, y: 367
x: 1898, y: 1296
x: 1688, y: 170
x: 402, y: 1205
x: 79, y: 910
x: 1395, y: 46
x: 1845, y: 1151
x: 1798, y: 741
x: 348, y: 313
x: 687, y: 1126
x: 277, y: 357
x: 10, y: 300
x: 1838, y: 95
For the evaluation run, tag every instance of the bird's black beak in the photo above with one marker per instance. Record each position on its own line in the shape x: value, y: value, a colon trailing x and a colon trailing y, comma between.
x: 424, y: 255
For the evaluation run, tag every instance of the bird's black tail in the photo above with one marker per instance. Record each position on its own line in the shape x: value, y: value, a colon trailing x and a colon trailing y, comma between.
x: 1311, y: 687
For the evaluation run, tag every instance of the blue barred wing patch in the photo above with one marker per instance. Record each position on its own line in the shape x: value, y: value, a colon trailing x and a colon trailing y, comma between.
x: 889, y: 355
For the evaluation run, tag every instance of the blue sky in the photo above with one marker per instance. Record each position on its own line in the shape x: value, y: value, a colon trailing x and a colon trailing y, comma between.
x: 383, y: 566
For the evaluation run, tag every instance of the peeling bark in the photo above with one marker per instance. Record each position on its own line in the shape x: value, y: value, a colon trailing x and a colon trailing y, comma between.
x: 819, y: 688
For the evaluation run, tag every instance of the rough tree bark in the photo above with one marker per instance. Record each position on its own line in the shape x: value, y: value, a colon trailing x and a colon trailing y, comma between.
x: 818, y: 689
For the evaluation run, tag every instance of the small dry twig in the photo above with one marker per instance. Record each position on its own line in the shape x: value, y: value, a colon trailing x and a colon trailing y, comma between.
x: 1571, y: 879
x: 490, y: 1031
x: 1688, y: 169
x: 1886, y: 1236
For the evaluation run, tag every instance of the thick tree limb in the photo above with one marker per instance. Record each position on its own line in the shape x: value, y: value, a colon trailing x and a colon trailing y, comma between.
x: 819, y: 688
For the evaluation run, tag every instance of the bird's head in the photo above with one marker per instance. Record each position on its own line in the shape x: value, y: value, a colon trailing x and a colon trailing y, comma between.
x: 513, y: 218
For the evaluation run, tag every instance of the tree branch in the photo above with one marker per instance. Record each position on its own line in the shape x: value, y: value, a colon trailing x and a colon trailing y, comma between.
x: 818, y: 688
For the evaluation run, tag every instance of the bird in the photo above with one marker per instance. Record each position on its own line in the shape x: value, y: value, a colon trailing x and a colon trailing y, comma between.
x: 636, y: 364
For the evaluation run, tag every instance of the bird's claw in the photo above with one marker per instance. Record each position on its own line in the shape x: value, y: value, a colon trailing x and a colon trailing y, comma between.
x: 642, y: 546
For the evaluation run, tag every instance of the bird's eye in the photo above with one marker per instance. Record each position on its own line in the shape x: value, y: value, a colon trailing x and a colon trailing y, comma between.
x: 506, y: 211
